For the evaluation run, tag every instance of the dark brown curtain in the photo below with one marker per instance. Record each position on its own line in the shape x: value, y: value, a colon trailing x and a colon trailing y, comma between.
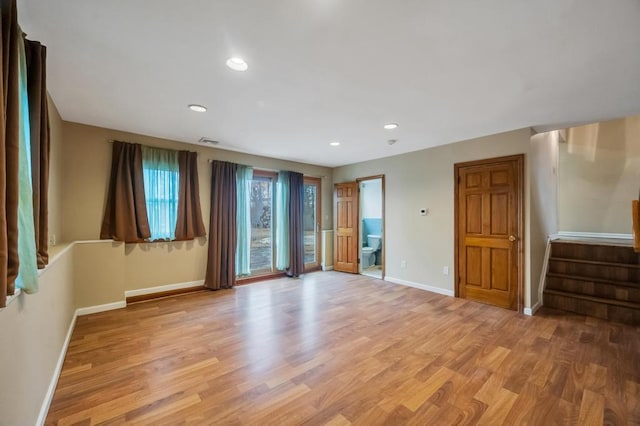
x: 9, y: 149
x: 221, y: 260
x: 125, y: 216
x: 36, y: 56
x: 296, y: 232
x: 189, y: 224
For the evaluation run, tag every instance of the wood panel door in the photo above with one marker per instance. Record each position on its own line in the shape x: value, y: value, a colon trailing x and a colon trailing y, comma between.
x: 345, y: 213
x: 489, y: 224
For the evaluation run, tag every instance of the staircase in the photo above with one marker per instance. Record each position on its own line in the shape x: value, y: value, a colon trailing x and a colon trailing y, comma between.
x: 597, y: 280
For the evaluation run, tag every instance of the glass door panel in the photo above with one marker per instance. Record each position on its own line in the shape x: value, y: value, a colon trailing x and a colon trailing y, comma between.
x: 311, y: 223
x: 261, y: 234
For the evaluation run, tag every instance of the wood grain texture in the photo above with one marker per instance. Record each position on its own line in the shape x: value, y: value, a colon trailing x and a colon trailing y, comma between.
x: 168, y: 293
x: 598, y: 280
x: 340, y: 349
x: 488, y: 222
x: 346, y: 211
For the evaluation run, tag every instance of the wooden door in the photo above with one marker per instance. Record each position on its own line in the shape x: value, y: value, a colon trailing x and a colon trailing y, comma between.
x: 489, y: 225
x: 345, y: 211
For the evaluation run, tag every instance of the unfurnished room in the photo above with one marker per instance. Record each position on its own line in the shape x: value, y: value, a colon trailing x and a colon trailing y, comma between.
x: 320, y: 212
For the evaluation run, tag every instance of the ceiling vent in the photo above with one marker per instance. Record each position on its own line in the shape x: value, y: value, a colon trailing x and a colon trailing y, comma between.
x: 208, y: 141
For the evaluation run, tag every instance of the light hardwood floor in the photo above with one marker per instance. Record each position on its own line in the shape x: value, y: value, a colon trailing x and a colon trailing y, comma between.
x: 342, y: 349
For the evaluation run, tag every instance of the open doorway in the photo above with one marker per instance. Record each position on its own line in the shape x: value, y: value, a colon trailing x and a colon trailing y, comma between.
x: 371, y: 226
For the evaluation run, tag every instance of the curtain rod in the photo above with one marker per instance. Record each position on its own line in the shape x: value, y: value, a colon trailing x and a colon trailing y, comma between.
x: 211, y: 160
x: 265, y: 169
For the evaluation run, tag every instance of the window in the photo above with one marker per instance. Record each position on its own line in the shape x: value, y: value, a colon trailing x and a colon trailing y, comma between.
x: 161, y: 184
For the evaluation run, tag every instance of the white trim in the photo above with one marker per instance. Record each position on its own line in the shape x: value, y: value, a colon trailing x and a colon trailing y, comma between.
x: 543, y: 275
x: 11, y: 298
x: 162, y: 288
x: 532, y: 310
x: 327, y: 268
x: 426, y: 287
x: 594, y: 235
x: 101, y: 308
x: 53, y: 259
x: 96, y: 241
x: 46, y: 403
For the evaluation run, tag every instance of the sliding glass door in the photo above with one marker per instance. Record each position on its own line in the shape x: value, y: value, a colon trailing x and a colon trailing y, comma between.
x: 262, y: 252
x: 311, y: 223
x: 263, y: 238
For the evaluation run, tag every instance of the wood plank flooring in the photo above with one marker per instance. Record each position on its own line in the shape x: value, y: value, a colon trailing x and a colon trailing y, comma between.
x: 339, y: 349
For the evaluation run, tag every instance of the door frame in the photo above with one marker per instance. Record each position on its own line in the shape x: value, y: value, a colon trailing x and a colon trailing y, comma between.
x: 520, y: 161
x: 384, y: 238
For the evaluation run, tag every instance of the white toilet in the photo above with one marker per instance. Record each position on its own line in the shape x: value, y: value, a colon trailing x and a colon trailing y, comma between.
x: 369, y: 252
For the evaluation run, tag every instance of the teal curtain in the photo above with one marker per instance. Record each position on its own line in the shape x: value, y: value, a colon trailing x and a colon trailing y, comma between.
x: 282, y: 221
x: 27, y: 279
x: 161, y: 173
x: 244, y: 176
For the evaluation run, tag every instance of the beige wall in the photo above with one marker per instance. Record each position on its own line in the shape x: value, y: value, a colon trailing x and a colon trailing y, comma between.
x: 87, y: 154
x: 544, y: 202
x: 99, y: 273
x: 425, y: 179
x: 599, y: 175
x: 33, y: 331
x: 55, y: 173
x: 34, y: 327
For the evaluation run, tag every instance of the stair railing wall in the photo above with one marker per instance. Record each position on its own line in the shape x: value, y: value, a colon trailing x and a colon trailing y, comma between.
x: 635, y: 211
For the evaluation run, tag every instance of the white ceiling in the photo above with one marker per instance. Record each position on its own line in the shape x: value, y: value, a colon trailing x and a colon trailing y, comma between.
x: 324, y: 70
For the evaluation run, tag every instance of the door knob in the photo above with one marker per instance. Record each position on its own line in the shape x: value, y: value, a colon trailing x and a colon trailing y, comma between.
x: 512, y: 238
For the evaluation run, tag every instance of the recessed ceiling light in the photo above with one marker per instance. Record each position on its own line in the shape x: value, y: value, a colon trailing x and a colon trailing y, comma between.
x: 335, y: 143
x: 390, y: 126
x: 237, y: 64
x: 197, y: 108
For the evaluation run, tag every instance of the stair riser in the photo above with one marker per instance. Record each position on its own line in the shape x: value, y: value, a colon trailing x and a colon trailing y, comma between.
x: 593, y: 309
x: 596, y: 253
x: 616, y: 273
x: 588, y: 288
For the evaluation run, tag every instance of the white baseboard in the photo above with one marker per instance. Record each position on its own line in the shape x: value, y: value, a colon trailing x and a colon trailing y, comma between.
x: 162, y: 288
x: 44, y: 409
x: 100, y: 308
x: 532, y: 310
x: 327, y: 268
x: 594, y: 235
x: 420, y: 286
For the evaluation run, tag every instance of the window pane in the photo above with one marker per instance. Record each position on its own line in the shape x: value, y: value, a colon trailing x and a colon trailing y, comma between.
x: 161, y: 180
x: 261, y: 241
x: 161, y: 194
x: 309, y: 223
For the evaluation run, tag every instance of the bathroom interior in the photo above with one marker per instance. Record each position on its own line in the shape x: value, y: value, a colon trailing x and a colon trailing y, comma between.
x: 371, y: 226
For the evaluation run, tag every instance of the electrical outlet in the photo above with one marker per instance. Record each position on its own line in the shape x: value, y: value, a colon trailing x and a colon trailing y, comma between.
x: 403, y: 264
x: 445, y: 270
x: 52, y: 240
